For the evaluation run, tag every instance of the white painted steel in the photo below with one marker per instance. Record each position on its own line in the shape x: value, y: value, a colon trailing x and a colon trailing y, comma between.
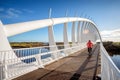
x: 4, y: 45
x: 12, y: 62
x: 82, y: 31
x: 65, y: 35
x: 25, y: 63
x: 78, y: 32
x: 3, y: 38
x: 65, y: 39
x: 52, y: 41
x: 17, y: 28
x: 4, y: 41
x: 109, y: 71
x: 73, y: 34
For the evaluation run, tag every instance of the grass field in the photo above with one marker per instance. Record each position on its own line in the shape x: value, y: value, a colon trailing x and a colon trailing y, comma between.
x: 31, y: 44
x: 27, y: 44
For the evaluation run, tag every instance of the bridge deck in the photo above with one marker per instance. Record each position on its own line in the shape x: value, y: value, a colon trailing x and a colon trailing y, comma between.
x: 77, y: 66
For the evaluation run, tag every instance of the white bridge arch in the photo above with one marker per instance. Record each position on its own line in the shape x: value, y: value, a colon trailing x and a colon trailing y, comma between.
x: 13, y: 29
x: 87, y: 30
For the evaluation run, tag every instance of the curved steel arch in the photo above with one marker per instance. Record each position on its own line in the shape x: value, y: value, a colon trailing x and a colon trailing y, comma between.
x: 18, y: 28
x: 13, y: 29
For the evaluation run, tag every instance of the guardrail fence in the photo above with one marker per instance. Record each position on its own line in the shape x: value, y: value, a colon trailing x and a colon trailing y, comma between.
x: 29, y: 59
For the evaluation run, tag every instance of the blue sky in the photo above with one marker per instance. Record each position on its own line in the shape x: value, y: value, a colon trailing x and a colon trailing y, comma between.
x: 106, y: 14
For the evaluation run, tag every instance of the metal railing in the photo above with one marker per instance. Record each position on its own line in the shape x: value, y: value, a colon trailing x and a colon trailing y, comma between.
x: 29, y: 59
x: 109, y: 71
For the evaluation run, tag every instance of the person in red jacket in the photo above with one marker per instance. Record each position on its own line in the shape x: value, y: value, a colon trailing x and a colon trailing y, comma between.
x: 89, y: 46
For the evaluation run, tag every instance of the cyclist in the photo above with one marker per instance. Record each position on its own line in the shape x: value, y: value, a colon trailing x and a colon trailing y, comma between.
x: 89, y: 46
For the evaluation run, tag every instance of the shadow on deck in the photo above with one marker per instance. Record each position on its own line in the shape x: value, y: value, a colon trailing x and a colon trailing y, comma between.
x: 78, y: 66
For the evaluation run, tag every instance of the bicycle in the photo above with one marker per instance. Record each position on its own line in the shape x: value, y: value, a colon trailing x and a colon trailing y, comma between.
x: 90, y: 50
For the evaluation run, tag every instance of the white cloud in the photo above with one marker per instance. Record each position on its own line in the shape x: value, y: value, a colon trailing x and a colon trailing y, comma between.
x: 9, y: 13
x: 113, y: 35
x: 27, y: 10
x: 12, y: 12
x: 15, y: 10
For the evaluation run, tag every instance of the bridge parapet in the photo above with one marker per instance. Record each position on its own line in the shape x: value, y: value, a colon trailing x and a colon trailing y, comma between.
x: 29, y: 59
x: 109, y: 70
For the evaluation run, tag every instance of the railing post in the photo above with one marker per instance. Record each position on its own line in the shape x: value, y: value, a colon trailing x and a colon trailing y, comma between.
x: 5, y: 69
x: 39, y: 60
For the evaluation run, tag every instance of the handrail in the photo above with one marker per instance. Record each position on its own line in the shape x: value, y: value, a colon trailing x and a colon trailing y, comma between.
x: 109, y: 71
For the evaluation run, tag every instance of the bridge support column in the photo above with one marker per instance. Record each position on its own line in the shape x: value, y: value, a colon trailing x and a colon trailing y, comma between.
x: 87, y: 36
x: 83, y: 44
x: 81, y: 32
x: 4, y: 46
x: 84, y: 32
x: 78, y: 33
x: 65, y: 37
x: 91, y: 34
x: 73, y: 34
x: 52, y: 43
